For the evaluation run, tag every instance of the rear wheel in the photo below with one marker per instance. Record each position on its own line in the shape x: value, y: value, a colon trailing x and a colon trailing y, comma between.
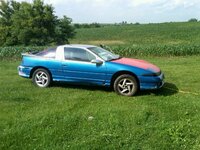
x: 41, y: 78
x: 126, y: 85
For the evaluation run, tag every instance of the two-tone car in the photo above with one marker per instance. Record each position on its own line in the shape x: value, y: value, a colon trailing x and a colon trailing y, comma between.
x: 91, y: 65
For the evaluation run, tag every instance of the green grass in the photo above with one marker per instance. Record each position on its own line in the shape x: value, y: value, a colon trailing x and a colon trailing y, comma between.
x: 57, y: 117
x: 145, y: 34
x: 166, y: 39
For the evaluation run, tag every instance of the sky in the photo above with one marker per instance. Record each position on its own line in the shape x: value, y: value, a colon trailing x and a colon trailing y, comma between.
x: 132, y: 11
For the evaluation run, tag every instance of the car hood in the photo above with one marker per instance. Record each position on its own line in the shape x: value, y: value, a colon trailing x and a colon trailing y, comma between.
x: 137, y: 63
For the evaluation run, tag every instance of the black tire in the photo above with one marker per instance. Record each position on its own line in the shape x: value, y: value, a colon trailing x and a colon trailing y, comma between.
x: 41, y: 78
x: 126, y: 85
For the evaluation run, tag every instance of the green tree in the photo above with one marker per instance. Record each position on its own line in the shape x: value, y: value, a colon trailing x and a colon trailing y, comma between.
x: 6, y: 10
x: 21, y: 27
x: 32, y: 24
x: 193, y: 20
x: 64, y: 30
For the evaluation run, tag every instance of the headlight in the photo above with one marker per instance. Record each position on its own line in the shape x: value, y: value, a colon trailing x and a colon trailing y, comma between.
x: 152, y: 74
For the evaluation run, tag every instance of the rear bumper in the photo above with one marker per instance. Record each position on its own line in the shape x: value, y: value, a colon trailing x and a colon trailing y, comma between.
x: 24, y: 71
x: 151, y: 83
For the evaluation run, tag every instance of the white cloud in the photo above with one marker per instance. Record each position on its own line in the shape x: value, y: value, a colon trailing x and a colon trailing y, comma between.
x: 59, y: 2
x: 131, y: 2
x: 134, y: 3
x: 129, y: 10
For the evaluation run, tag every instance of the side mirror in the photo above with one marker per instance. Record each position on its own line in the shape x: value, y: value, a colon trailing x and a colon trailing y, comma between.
x: 96, y: 61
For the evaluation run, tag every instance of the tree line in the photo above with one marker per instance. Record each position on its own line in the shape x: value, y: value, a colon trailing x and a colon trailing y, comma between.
x: 23, y: 23
x: 87, y: 25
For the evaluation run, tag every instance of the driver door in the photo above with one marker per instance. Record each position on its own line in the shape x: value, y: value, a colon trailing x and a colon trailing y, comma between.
x: 77, y: 67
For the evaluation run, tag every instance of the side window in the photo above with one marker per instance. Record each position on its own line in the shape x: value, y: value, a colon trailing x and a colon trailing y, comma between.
x: 78, y: 54
x: 49, y: 53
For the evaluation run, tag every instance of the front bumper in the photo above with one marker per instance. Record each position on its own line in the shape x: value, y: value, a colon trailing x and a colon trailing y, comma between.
x: 24, y: 71
x: 153, y: 82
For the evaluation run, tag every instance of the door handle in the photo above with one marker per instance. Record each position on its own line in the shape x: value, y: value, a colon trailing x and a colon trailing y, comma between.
x: 64, y: 65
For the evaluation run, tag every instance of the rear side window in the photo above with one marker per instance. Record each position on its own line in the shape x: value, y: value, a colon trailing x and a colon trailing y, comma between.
x: 78, y: 54
x: 49, y: 53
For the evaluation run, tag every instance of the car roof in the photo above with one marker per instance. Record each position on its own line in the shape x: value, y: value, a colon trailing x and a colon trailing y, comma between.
x: 78, y: 45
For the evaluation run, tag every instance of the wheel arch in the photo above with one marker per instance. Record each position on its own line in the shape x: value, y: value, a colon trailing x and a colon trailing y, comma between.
x: 40, y: 67
x: 117, y: 74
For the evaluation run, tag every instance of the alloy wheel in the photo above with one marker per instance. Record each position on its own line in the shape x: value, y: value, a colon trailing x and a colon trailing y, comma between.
x: 41, y: 79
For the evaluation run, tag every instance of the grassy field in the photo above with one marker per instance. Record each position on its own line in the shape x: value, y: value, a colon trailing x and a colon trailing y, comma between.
x: 172, y: 39
x: 166, y: 39
x: 144, y: 34
x: 81, y: 117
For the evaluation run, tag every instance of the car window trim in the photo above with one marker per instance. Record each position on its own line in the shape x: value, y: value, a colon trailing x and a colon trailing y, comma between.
x: 97, y: 57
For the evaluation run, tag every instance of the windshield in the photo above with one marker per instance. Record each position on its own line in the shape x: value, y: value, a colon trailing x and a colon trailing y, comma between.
x: 104, y: 54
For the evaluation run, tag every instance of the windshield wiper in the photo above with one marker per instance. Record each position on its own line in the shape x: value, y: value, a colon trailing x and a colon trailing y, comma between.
x: 115, y: 58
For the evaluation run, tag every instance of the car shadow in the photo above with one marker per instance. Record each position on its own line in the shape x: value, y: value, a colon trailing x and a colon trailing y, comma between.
x: 83, y: 87
x: 167, y: 90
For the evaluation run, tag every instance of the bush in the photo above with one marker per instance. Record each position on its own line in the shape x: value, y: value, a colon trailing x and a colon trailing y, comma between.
x: 92, y: 25
x: 137, y: 23
x: 193, y: 20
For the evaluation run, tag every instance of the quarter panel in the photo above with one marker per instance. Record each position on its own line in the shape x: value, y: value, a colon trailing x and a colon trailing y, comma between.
x: 54, y: 66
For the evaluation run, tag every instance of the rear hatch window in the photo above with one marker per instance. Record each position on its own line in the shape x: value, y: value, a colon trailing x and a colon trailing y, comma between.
x: 48, y: 53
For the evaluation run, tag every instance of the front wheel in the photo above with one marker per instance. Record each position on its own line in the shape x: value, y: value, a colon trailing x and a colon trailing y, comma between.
x: 126, y: 85
x: 41, y: 78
